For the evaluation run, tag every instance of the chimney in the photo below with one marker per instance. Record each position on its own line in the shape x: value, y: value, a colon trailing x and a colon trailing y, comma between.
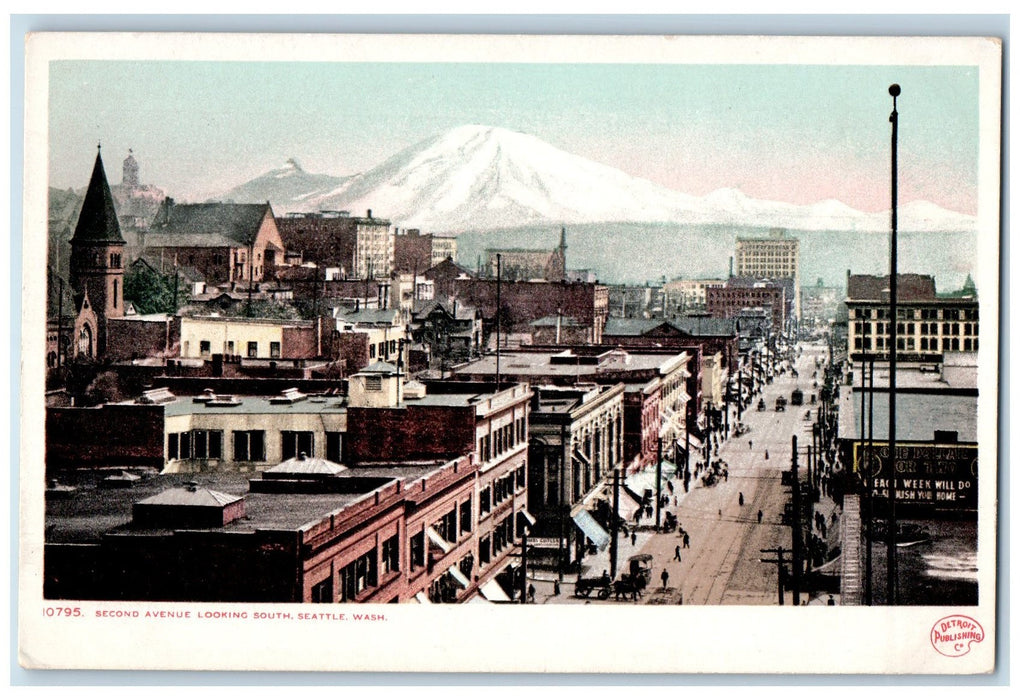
x: 369, y: 213
x: 731, y: 266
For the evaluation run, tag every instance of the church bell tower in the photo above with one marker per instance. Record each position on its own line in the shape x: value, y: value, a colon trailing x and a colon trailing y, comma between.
x: 97, y: 249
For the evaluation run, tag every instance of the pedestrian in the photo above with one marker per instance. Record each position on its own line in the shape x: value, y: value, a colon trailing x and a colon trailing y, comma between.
x: 531, y: 593
x: 720, y: 512
x: 832, y: 601
x: 766, y: 454
x: 648, y: 511
x: 687, y: 541
x: 750, y: 444
x: 633, y: 539
x: 760, y: 514
x: 740, y: 498
x: 556, y: 587
x: 665, y: 578
x: 725, y: 474
x: 676, y: 554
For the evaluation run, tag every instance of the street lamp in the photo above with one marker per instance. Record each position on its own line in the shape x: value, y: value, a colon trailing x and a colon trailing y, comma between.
x: 894, y: 90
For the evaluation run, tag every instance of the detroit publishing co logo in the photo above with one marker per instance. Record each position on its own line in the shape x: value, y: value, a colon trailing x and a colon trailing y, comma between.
x: 954, y: 635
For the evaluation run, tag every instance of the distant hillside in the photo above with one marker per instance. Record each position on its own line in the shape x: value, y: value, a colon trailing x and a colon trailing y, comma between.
x: 635, y: 253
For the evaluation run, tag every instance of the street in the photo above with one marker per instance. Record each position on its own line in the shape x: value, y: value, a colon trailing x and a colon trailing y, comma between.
x: 722, y: 564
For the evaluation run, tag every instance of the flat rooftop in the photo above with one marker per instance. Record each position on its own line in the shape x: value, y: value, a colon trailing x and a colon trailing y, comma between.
x: 560, y: 364
x: 918, y: 416
x: 91, y: 512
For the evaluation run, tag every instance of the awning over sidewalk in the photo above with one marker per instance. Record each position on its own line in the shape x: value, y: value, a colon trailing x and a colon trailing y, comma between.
x: 591, y: 529
x: 695, y: 442
x: 422, y: 598
x: 493, y: 592
x: 645, y: 479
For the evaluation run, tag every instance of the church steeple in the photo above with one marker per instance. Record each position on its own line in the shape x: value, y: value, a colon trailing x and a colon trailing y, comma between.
x: 97, y: 264
x: 97, y: 222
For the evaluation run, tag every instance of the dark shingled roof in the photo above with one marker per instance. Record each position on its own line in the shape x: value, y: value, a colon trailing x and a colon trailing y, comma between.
x: 97, y: 222
x: 238, y: 223
x: 909, y: 287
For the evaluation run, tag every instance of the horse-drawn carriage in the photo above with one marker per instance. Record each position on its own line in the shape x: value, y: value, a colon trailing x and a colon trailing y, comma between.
x: 636, y: 579
x: 601, y: 586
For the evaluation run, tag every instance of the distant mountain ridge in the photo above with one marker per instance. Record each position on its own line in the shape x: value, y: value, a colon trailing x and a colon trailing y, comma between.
x: 481, y: 178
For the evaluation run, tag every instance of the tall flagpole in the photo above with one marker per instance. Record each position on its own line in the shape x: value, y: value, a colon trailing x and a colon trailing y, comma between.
x: 891, y: 596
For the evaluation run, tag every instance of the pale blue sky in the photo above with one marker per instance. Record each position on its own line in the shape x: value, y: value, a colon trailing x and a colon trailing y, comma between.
x: 790, y: 133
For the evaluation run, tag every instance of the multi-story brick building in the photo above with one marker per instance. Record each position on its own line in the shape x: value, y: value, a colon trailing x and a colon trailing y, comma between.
x: 393, y: 493
x: 414, y: 251
x: 655, y: 397
x: 686, y: 296
x: 927, y: 325
x: 730, y: 301
x: 575, y: 443
x: 361, y: 247
x: 774, y: 257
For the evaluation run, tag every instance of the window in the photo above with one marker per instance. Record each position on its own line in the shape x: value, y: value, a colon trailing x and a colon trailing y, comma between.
x: 465, y: 516
x: 358, y: 576
x: 485, y: 550
x: 371, y: 350
x: 115, y: 286
x: 172, y: 450
x: 253, y: 349
x: 185, y: 445
x: 274, y: 349
x: 391, y: 555
x: 520, y: 477
x: 204, y: 347
x: 322, y: 592
x: 447, y: 526
x: 416, y: 547
x: 484, y: 501
x: 334, y: 447
x: 249, y: 446
x: 296, y: 442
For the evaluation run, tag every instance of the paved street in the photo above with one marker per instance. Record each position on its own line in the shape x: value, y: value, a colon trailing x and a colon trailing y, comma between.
x: 722, y: 565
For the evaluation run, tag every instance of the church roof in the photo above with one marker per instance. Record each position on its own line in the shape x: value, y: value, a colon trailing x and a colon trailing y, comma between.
x: 97, y: 222
x: 210, y: 223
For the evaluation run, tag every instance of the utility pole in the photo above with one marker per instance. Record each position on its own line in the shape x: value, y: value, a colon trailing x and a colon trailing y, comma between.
x: 779, y: 562
x: 613, y: 544
x: 894, y: 90
x: 499, y: 282
x: 658, y: 484
x: 796, y: 554
x: 870, y: 501
x: 524, y: 566
x: 561, y: 505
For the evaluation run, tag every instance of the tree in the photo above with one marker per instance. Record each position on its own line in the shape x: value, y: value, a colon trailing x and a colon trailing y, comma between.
x: 152, y: 292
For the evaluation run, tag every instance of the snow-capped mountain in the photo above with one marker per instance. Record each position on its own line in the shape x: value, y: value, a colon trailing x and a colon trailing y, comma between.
x: 288, y: 188
x: 482, y: 177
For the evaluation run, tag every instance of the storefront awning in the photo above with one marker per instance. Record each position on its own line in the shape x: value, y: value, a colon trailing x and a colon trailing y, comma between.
x: 422, y: 598
x: 523, y: 512
x: 694, y: 441
x: 459, y: 576
x: 591, y: 529
x: 494, y: 592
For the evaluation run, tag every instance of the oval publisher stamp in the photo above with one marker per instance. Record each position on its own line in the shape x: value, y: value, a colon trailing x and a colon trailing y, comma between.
x: 954, y: 635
